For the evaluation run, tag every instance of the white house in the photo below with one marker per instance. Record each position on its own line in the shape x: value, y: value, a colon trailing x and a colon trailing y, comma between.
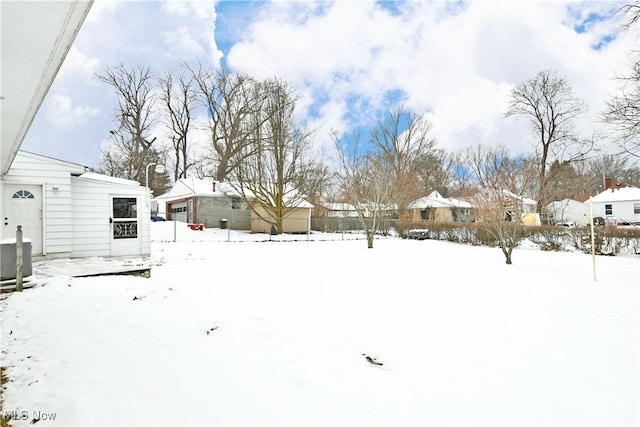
x: 622, y: 202
x: 63, y: 209
x: 569, y: 210
x: 337, y: 210
x: 67, y: 211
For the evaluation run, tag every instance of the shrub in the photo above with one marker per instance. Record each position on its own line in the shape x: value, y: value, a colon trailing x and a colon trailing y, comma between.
x: 608, y: 240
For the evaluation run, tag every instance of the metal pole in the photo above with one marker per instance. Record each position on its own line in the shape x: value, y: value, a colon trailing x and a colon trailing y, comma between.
x: 19, y: 260
x: 309, y: 226
x: 593, y: 240
x: 146, y: 182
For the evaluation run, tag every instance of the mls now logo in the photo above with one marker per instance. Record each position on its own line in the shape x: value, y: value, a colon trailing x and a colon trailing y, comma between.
x: 25, y: 415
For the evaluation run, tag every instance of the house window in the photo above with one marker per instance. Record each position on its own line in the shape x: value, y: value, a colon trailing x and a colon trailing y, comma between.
x: 608, y: 209
x: 235, y: 203
x: 124, y: 207
x: 636, y: 208
x: 22, y: 194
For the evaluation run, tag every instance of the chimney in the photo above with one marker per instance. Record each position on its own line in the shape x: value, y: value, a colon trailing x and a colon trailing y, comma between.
x: 607, y: 183
x: 214, y: 187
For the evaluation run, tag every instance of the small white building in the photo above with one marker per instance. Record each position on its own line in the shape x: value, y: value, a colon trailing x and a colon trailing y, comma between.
x: 337, y: 210
x: 66, y: 211
x: 569, y: 210
x: 621, y: 202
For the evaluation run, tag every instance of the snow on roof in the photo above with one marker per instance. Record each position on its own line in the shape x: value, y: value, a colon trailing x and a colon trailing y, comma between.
x: 565, y: 202
x: 111, y: 179
x: 339, y: 206
x: 186, y: 187
x: 623, y: 194
x: 523, y: 199
x: 205, y: 187
x: 435, y: 200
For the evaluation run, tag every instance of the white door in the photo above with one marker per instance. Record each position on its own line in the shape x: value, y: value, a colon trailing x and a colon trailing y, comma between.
x: 125, y: 222
x: 22, y: 205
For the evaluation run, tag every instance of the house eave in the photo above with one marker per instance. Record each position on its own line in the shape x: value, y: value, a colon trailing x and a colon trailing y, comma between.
x: 36, y: 37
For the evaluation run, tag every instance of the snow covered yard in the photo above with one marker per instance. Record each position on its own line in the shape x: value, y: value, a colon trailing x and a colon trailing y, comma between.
x: 273, y: 333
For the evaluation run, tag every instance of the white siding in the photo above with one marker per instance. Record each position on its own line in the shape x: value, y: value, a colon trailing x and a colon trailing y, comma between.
x: 91, y: 201
x: 33, y: 169
x: 569, y: 209
x: 621, y: 209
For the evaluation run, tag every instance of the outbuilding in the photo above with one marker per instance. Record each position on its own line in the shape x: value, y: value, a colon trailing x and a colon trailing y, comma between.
x: 296, y: 221
x: 569, y: 211
x: 67, y: 211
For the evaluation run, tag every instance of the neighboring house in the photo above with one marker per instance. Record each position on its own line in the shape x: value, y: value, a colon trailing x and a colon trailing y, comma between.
x: 516, y: 203
x: 204, y: 201
x: 66, y: 211
x: 621, y: 201
x: 298, y: 220
x: 506, y: 206
x: 335, y: 210
x: 569, y: 211
x: 434, y: 207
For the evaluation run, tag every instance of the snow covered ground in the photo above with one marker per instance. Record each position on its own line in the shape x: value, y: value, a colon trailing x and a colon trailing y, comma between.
x: 273, y: 333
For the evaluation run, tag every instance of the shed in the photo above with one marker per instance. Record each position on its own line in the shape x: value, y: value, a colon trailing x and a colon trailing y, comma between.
x: 67, y: 211
x: 568, y: 210
x: 297, y: 220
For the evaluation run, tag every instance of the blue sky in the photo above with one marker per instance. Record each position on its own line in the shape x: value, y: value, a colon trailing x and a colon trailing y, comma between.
x: 351, y: 61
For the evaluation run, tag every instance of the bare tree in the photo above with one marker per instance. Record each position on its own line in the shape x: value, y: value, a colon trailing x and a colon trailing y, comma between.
x: 631, y: 15
x: 462, y: 176
x: 402, y: 140
x: 367, y: 182
x: 277, y: 158
x: 233, y: 103
x: 591, y: 174
x: 178, y: 98
x: 436, y: 171
x: 126, y: 155
x: 622, y: 112
x: 501, y: 198
x: 548, y: 104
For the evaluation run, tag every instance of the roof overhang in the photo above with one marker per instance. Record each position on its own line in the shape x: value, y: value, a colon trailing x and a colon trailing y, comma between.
x: 36, y: 36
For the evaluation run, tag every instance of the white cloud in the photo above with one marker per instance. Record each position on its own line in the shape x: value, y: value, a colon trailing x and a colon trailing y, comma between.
x: 78, y: 63
x: 455, y: 61
x: 458, y: 67
x: 176, y: 7
x: 181, y: 43
x: 62, y: 112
